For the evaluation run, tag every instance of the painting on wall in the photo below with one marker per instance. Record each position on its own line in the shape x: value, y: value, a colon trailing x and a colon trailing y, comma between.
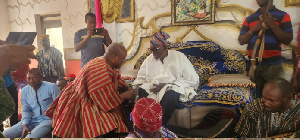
x: 70, y: 54
x: 114, y: 10
x: 91, y: 6
x: 292, y: 3
x: 127, y: 13
x: 192, y: 12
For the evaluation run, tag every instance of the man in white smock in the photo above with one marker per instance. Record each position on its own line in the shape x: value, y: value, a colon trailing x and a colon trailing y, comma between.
x: 167, y: 76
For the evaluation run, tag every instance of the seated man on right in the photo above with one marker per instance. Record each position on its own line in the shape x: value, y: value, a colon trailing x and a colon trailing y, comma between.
x: 276, y: 114
x: 166, y: 76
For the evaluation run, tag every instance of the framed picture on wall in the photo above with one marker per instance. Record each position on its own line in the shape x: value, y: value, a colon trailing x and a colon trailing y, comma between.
x: 127, y: 13
x: 114, y: 10
x: 192, y: 12
x: 70, y: 54
x: 91, y: 6
x: 292, y: 3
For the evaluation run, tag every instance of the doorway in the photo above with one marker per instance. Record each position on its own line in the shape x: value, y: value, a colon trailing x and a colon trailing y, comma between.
x: 56, y: 40
x: 50, y: 24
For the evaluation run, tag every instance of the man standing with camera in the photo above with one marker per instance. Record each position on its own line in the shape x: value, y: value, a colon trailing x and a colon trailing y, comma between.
x: 90, y: 40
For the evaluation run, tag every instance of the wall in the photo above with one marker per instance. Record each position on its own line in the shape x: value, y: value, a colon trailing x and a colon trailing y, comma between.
x: 150, y: 15
x: 4, y: 24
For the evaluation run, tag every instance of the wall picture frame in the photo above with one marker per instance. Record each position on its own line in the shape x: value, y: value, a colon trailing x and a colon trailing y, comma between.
x: 114, y: 10
x: 289, y: 3
x: 192, y: 12
x: 128, y: 11
x: 91, y: 6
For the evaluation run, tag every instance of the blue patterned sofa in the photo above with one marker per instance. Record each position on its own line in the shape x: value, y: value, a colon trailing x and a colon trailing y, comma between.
x: 219, y: 105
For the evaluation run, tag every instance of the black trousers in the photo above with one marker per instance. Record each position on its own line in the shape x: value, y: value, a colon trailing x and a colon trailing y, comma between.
x: 113, y: 134
x: 14, y: 94
x: 168, y: 103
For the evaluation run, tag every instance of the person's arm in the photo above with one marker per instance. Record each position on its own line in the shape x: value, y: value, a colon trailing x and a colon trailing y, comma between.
x: 141, y: 76
x: 246, y: 126
x: 26, y: 108
x: 142, y: 73
x: 80, y: 44
x: 105, y: 95
x: 107, y: 39
x: 283, y: 32
x: 189, y: 76
x: 122, y: 85
x: 247, y: 33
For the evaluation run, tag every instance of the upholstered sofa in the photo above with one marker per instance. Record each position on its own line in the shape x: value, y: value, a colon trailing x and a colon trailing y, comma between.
x: 214, y: 111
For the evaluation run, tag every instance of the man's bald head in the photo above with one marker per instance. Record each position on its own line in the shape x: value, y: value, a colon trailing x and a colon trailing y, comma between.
x: 284, y: 86
x: 277, y: 95
x: 115, y: 55
x: 116, y: 49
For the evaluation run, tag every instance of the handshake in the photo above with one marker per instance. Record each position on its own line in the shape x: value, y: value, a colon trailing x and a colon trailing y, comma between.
x: 129, y: 94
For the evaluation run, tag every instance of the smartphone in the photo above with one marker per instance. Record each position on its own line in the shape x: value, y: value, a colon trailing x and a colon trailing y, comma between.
x: 98, y: 31
x: 21, y: 38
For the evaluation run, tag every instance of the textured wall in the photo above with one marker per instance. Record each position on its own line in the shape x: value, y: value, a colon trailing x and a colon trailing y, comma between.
x: 21, y: 15
x: 151, y: 8
x: 21, y: 18
x: 4, y: 24
x: 232, y: 12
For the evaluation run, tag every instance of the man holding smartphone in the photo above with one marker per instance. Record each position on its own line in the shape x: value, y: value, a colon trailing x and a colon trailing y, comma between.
x: 90, y: 40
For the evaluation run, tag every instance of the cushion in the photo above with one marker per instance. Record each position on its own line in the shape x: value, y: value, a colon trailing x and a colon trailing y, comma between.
x: 231, y: 80
x: 220, y: 96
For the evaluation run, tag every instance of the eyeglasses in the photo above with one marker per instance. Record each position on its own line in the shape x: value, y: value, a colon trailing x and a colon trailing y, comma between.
x: 154, y: 49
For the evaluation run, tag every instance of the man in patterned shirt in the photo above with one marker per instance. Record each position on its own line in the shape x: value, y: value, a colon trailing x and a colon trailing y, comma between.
x: 273, y: 115
x: 50, y: 61
x: 90, y: 105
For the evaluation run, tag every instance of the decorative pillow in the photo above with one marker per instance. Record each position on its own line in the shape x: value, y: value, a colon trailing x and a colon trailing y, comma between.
x: 231, y: 80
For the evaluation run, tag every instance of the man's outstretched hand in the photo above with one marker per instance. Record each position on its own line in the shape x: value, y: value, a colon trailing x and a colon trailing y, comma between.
x: 128, y: 95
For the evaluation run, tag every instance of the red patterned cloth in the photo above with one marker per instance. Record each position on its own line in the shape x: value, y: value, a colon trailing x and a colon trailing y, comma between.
x: 90, y: 105
x: 147, y: 115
